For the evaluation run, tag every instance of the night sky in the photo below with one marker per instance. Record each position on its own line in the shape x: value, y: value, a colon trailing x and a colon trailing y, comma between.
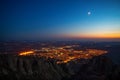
x: 45, y: 19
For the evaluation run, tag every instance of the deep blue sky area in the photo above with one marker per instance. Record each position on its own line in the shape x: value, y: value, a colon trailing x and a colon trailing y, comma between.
x: 38, y: 19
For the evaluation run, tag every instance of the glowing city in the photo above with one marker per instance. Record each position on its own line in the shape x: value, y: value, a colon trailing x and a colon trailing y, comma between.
x: 64, y: 54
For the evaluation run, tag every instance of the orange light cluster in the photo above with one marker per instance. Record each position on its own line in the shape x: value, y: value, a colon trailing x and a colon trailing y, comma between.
x: 26, y: 53
x: 63, y: 55
x: 66, y: 60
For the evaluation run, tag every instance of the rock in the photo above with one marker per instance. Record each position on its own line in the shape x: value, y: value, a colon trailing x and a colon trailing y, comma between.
x: 31, y: 68
x: 14, y: 67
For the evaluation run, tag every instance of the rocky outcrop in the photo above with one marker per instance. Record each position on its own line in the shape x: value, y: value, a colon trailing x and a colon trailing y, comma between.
x: 97, y: 68
x: 29, y: 68
x: 34, y: 68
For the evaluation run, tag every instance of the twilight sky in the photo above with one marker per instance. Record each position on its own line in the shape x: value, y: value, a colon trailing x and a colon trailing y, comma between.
x: 38, y: 19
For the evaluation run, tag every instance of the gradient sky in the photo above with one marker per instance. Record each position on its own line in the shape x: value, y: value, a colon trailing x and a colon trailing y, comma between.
x: 38, y: 19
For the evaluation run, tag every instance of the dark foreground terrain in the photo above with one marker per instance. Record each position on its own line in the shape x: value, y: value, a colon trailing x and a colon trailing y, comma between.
x: 13, y: 67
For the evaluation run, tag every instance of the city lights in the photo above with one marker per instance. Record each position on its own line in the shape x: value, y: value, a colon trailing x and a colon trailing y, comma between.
x: 63, y: 55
